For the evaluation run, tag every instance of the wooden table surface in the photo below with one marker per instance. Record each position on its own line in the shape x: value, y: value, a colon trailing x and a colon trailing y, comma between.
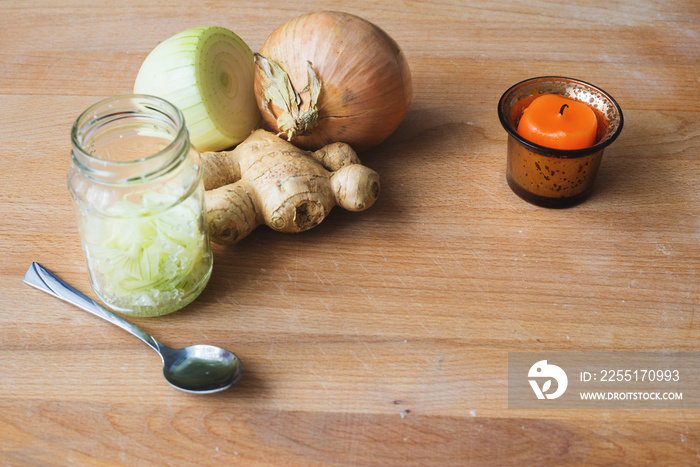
x: 379, y: 337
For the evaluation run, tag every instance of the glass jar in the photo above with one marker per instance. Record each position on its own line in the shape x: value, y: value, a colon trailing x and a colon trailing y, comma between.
x: 136, y: 184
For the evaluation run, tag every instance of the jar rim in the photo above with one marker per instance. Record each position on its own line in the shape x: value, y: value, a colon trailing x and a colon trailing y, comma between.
x: 107, y: 107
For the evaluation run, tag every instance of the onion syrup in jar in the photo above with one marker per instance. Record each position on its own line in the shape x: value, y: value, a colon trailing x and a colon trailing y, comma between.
x: 136, y: 184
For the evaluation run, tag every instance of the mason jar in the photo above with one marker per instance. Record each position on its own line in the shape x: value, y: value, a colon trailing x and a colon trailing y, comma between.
x: 136, y: 184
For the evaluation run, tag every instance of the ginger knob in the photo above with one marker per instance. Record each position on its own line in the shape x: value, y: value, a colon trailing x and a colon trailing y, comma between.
x: 267, y: 180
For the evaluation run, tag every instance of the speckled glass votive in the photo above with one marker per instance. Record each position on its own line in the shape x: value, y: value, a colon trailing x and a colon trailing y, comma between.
x: 555, y: 177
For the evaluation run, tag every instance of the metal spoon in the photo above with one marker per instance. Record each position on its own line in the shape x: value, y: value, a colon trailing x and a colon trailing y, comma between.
x: 199, y: 369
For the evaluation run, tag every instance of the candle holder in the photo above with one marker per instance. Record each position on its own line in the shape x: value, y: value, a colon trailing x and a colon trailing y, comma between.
x: 549, y: 177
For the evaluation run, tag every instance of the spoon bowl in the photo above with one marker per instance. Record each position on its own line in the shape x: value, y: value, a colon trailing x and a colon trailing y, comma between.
x: 198, y: 369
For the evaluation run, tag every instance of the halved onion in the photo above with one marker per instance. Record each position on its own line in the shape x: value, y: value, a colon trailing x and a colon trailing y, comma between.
x: 208, y: 73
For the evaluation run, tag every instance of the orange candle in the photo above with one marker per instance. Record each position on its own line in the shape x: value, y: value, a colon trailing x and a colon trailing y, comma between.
x: 558, y: 122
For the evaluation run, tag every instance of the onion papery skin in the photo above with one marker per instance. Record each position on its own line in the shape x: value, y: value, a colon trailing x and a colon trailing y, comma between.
x: 208, y: 73
x: 366, y: 86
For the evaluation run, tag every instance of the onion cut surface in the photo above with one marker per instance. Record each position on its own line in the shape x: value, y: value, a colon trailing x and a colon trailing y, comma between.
x: 346, y: 81
x: 208, y: 73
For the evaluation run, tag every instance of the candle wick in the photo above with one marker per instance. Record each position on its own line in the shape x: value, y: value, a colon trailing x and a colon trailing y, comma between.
x: 561, y: 111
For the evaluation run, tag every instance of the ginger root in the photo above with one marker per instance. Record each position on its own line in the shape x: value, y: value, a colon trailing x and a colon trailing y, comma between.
x: 267, y: 180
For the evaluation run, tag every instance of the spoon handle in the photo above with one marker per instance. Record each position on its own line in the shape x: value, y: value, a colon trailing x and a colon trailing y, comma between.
x: 43, y: 279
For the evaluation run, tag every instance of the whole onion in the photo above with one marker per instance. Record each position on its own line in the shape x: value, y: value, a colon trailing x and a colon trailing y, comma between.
x: 328, y: 77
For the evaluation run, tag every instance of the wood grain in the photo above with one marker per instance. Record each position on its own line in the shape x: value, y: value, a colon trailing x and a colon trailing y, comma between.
x: 382, y: 337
